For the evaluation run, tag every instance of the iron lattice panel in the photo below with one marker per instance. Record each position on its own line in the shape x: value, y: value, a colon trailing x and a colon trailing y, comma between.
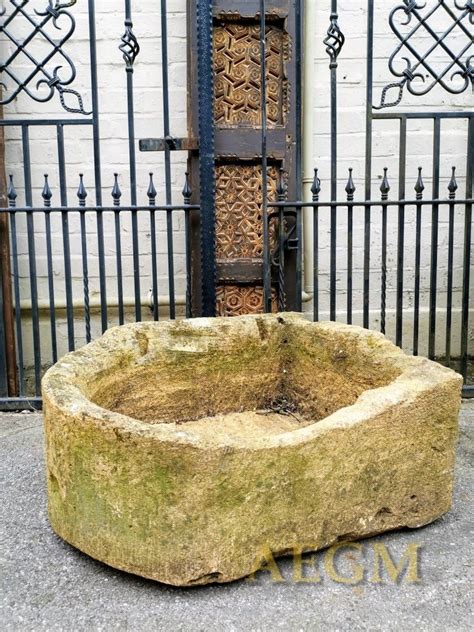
x: 447, y: 61
x: 47, y: 72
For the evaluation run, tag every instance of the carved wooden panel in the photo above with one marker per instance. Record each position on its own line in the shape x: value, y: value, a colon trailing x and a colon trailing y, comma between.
x: 234, y: 300
x: 237, y: 74
x: 239, y: 226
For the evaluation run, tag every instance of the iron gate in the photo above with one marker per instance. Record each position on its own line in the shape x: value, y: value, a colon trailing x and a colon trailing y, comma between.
x: 78, y: 256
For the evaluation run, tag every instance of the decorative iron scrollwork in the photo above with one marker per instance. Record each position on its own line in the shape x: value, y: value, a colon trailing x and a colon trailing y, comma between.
x: 129, y: 46
x: 334, y: 40
x: 456, y: 72
x: 47, y: 76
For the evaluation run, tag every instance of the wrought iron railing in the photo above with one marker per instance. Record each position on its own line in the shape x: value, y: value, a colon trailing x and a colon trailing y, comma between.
x: 77, y: 309
x: 373, y: 294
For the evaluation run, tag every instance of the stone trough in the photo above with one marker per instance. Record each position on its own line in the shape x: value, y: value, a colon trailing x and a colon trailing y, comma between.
x: 180, y: 451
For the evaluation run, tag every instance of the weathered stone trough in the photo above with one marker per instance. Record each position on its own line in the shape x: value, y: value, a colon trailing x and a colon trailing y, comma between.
x: 180, y: 450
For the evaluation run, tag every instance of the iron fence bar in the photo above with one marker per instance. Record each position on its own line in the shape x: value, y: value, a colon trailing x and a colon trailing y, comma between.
x: 281, y: 193
x: 369, y: 115
x: 49, y: 257
x: 82, y: 194
x: 11, y: 197
x: 467, y: 249
x: 116, y: 195
x: 401, y: 231
x: 419, y: 188
x: 299, y: 146
x: 350, y: 190
x: 130, y: 49
x: 167, y: 156
x: 334, y: 42
x: 434, y: 238
x: 206, y: 156
x: 44, y: 122
x: 315, y: 190
x: 384, y: 190
x: 452, y: 187
x: 97, y: 164
x: 102, y: 209
x: 21, y: 403
x: 151, y: 193
x: 187, y: 193
x: 267, y: 298
x: 65, y: 233
x: 418, y: 115
x: 30, y: 227
x: 362, y: 203
x: 3, y: 354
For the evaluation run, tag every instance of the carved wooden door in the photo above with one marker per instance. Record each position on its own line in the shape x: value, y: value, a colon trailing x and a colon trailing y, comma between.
x: 237, y: 134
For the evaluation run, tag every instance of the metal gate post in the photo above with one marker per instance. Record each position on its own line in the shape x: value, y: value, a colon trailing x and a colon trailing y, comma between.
x: 206, y: 156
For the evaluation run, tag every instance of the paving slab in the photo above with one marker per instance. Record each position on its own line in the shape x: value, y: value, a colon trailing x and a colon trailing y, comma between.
x: 48, y: 585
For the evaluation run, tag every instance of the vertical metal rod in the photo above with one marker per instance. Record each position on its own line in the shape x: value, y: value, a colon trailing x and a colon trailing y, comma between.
x: 97, y: 168
x: 133, y: 166
x: 267, y: 299
x: 12, y: 195
x: 315, y: 190
x: 434, y: 238
x: 452, y: 187
x: 49, y: 258
x: 187, y: 239
x: 401, y: 231
x: 299, y: 147
x: 333, y: 228
x: 82, y: 194
x: 281, y: 194
x: 167, y: 156
x: 350, y: 190
x: 85, y: 277
x: 350, y: 221
x: 32, y: 257
x: 368, y: 161
x: 206, y: 157
x: 419, y: 188
x: 383, y: 285
x: 66, y: 242
x: 467, y: 250
x: 116, y: 194
x: 3, y: 349
x: 151, y: 193
x: 384, y: 190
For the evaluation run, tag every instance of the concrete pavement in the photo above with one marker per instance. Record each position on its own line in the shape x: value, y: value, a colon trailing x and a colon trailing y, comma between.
x: 48, y: 585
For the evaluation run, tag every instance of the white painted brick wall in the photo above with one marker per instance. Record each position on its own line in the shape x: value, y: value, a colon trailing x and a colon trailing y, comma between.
x: 148, y: 123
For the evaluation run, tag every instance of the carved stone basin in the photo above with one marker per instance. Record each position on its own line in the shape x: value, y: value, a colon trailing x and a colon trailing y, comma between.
x: 180, y: 450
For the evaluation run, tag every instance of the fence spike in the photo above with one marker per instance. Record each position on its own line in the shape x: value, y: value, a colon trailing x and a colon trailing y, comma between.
x: 187, y: 192
x: 46, y: 194
x: 281, y: 186
x: 350, y: 186
x: 116, y: 192
x: 81, y: 191
x: 419, y: 185
x: 453, y: 185
x: 385, y: 186
x: 151, y: 192
x: 11, y: 192
x: 316, y: 186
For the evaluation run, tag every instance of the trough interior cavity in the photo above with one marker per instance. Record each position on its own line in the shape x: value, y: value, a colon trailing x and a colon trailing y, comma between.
x: 284, y: 374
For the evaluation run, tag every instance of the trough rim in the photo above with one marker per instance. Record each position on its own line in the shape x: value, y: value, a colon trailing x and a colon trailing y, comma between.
x: 418, y: 376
